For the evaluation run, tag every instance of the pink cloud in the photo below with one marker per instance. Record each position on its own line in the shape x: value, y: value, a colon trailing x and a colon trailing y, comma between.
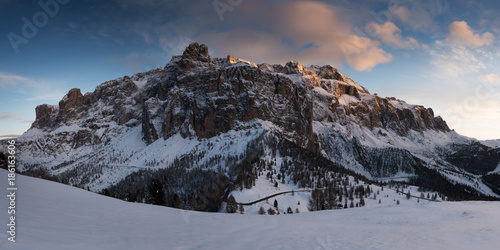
x: 462, y: 33
x: 491, y: 78
x: 317, y: 33
x: 390, y: 34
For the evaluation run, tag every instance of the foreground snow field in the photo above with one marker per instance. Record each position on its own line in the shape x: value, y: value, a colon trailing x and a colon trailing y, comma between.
x: 56, y: 216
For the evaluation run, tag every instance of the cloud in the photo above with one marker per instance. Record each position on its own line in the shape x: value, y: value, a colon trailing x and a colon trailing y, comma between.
x: 135, y: 62
x: 306, y: 31
x: 50, y: 97
x: 174, y: 42
x: 13, y: 116
x: 8, y: 80
x: 462, y: 33
x: 400, y: 12
x: 36, y: 90
x: 6, y: 115
x: 491, y: 78
x: 363, y: 53
x: 420, y: 15
x: 8, y: 136
x: 390, y: 34
x: 453, y: 61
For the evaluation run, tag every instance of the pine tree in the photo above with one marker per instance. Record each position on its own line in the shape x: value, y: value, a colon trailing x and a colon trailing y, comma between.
x: 262, y: 211
x: 397, y: 202
x: 275, y: 203
x: 408, y: 195
x: 231, y: 206
x: 156, y: 194
x: 178, y: 202
x: 106, y: 192
x: 271, y: 211
x: 316, y: 201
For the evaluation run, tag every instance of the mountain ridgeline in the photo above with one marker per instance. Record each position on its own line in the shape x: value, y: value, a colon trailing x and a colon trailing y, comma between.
x: 226, y: 122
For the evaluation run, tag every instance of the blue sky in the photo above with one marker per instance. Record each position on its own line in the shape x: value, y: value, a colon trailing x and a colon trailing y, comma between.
x: 440, y: 54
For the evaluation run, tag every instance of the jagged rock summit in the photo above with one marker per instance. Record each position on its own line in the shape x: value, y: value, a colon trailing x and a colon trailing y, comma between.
x: 212, y: 110
x: 201, y: 96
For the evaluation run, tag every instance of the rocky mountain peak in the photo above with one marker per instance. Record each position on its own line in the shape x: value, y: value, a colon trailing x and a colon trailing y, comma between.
x: 196, y: 52
x: 293, y: 67
x: 195, y: 56
x: 229, y: 90
x: 71, y: 105
x: 45, y: 116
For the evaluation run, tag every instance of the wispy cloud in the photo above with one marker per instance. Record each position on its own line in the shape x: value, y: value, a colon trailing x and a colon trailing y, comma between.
x: 453, y: 61
x: 49, y: 97
x: 34, y: 90
x: 463, y: 53
x: 9, y: 136
x: 491, y: 78
x: 13, y: 117
x: 136, y: 62
x: 9, y: 80
x: 6, y: 115
x: 420, y: 15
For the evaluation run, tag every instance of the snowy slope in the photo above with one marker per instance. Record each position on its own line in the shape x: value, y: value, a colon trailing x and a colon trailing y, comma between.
x: 56, y: 216
x: 492, y: 143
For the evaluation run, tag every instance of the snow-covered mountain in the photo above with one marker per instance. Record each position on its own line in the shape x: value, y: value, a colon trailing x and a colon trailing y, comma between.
x: 226, y: 122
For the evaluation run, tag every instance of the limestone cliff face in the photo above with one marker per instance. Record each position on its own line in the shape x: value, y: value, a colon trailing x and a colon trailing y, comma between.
x: 200, y: 96
x: 206, y: 98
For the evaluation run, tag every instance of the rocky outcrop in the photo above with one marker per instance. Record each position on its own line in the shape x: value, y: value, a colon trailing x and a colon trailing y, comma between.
x: 210, y: 103
x: 71, y: 107
x: 46, y: 115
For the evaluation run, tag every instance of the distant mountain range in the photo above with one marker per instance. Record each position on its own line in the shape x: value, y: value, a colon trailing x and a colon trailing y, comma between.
x: 492, y: 143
